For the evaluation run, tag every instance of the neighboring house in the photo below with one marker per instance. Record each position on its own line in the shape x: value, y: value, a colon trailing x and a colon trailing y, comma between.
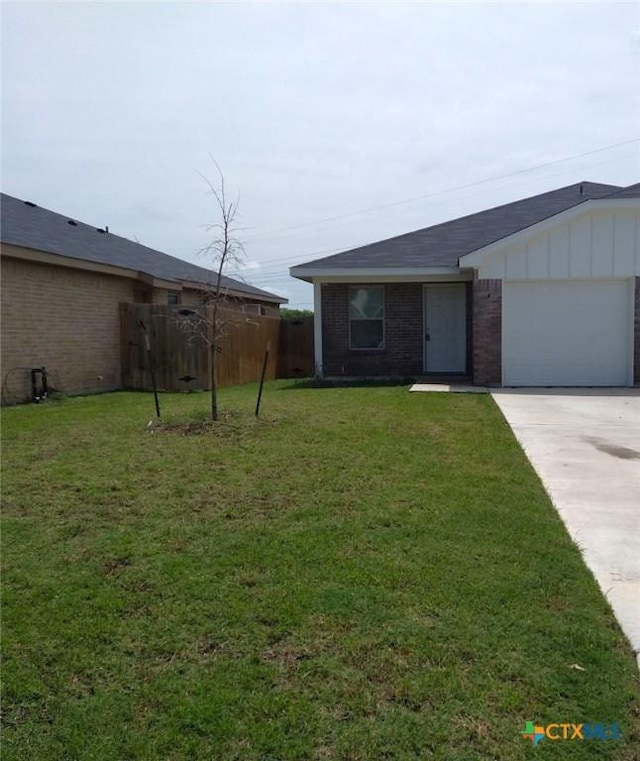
x: 62, y: 283
x: 540, y: 292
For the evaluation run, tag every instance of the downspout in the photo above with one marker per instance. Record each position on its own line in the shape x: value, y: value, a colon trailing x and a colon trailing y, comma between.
x: 317, y: 328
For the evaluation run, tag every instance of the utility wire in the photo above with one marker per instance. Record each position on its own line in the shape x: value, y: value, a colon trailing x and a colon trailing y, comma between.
x: 483, y: 181
x: 267, y: 266
x: 518, y: 181
x: 266, y: 271
x: 272, y: 263
x: 305, y: 257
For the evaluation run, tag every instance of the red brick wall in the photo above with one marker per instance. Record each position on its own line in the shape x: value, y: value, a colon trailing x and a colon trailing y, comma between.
x: 487, y: 332
x: 636, y: 336
x: 403, y: 352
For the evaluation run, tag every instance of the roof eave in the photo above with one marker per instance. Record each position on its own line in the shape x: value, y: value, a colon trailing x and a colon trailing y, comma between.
x: 236, y: 292
x: 312, y: 274
x: 15, y: 251
x: 51, y: 257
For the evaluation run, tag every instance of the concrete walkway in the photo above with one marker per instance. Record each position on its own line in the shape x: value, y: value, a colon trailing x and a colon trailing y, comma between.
x: 585, y: 446
x: 453, y: 388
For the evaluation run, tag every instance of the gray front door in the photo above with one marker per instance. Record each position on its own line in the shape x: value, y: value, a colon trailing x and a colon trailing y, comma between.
x: 445, y: 328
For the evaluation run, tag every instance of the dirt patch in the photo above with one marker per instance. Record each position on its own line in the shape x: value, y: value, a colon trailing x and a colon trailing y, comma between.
x: 287, y: 656
x: 114, y: 566
x: 229, y: 425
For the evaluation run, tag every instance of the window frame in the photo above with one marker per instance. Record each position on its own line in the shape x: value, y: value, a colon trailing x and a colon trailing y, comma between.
x: 173, y: 295
x: 382, y: 319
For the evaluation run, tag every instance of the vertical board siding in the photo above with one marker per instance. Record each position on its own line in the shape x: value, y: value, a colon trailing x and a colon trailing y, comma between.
x: 516, y: 263
x: 538, y: 257
x: 559, y: 252
x: 602, y: 259
x: 580, y: 260
x: 624, y: 244
x: 594, y: 245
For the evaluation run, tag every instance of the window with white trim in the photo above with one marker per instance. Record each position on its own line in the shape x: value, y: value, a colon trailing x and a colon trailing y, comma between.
x: 366, y: 317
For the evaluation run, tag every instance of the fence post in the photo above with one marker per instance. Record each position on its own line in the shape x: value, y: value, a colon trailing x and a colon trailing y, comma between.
x: 264, y: 370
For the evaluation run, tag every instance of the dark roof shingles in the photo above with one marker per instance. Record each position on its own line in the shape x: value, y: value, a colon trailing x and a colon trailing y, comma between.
x: 631, y: 191
x: 442, y: 245
x: 29, y: 226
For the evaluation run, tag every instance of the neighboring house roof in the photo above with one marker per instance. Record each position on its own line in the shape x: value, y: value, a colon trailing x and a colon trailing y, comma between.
x: 29, y: 226
x: 442, y: 245
x: 633, y: 191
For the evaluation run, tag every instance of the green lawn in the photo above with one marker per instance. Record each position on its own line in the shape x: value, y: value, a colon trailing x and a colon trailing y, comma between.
x: 364, y: 573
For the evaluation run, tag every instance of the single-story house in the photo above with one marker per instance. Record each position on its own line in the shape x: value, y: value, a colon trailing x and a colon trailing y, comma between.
x: 62, y: 284
x: 544, y: 291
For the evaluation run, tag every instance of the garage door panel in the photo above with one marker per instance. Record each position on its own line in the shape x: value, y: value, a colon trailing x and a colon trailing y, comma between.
x: 570, y: 333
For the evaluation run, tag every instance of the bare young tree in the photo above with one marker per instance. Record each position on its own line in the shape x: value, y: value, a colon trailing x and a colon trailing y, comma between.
x: 208, y: 321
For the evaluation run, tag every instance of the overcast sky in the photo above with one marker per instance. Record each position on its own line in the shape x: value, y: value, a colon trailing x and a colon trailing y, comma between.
x: 314, y: 111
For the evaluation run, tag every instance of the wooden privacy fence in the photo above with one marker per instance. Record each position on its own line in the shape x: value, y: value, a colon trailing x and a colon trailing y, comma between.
x: 295, y: 349
x: 178, y: 355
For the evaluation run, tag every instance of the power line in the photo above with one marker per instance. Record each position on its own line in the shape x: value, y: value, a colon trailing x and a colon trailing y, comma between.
x: 269, y: 279
x: 341, y: 223
x: 271, y: 264
x: 284, y: 260
x: 267, y: 267
x: 443, y: 191
x: 265, y: 272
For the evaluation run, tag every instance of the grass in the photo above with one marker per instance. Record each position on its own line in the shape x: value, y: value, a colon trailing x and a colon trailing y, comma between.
x: 362, y: 574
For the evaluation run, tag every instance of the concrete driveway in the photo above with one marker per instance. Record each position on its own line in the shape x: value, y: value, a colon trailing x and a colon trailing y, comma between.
x: 585, y: 446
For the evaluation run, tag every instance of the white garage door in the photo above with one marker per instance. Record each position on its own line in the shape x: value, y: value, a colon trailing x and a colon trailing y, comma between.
x: 572, y: 333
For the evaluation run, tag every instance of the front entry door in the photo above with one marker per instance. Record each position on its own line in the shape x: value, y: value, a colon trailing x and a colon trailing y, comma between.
x: 445, y: 328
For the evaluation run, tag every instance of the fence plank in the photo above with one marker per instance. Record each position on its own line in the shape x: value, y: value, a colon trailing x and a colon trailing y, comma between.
x: 296, y: 357
x: 177, y: 354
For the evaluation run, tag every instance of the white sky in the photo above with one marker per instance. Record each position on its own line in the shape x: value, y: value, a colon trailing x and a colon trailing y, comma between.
x: 314, y: 111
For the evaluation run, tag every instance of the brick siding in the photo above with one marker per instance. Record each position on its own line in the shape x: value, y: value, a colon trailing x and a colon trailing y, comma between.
x: 403, y: 352
x: 487, y: 332
x: 68, y: 320
x: 64, y: 319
